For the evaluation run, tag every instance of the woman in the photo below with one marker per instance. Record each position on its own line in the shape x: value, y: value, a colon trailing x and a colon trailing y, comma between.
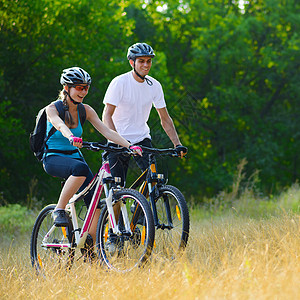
x: 71, y: 164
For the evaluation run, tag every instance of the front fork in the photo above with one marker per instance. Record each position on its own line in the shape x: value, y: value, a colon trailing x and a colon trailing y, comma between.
x: 153, y: 195
x: 111, y: 213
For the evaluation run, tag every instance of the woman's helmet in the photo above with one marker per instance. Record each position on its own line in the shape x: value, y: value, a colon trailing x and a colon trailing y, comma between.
x: 75, y: 75
x: 138, y: 50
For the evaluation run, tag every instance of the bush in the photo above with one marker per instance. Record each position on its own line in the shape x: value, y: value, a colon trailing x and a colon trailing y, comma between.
x: 16, y: 219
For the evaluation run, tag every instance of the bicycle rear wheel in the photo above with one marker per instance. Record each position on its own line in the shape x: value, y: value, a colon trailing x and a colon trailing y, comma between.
x: 129, y: 249
x: 47, y: 245
x: 172, y: 230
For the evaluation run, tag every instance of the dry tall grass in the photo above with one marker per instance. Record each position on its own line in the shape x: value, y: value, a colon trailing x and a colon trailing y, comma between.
x: 231, y: 258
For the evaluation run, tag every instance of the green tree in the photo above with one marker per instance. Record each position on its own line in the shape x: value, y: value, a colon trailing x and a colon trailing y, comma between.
x: 230, y: 79
x: 235, y: 75
x: 39, y: 39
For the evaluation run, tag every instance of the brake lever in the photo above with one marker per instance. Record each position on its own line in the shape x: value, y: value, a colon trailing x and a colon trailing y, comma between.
x: 175, y: 154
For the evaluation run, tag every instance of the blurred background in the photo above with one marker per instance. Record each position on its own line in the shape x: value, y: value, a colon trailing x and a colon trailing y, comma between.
x: 229, y: 70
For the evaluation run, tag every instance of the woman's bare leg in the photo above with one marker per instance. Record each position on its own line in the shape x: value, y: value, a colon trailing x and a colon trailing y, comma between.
x: 93, y: 227
x: 71, y: 186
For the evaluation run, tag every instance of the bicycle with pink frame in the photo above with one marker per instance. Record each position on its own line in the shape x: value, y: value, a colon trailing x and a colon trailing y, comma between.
x: 122, y: 241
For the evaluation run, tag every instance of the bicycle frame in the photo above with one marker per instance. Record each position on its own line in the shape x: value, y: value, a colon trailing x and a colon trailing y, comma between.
x: 100, y: 180
x: 124, y: 237
x: 169, y: 208
x: 148, y: 181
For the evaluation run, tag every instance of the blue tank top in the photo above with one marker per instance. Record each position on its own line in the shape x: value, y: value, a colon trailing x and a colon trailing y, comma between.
x: 59, y: 142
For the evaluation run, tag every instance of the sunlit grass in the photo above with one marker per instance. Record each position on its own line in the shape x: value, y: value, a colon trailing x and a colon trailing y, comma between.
x: 227, y: 258
x: 241, y: 247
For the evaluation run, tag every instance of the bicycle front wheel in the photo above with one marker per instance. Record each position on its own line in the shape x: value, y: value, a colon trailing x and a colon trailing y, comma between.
x: 172, y: 230
x: 128, y: 249
x: 49, y: 244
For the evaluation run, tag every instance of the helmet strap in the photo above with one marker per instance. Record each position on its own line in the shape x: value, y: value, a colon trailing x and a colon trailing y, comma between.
x: 75, y: 102
x: 149, y: 82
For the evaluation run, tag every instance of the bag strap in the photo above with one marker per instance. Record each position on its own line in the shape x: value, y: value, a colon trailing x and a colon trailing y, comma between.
x: 61, y: 151
x: 61, y: 110
x: 82, y: 113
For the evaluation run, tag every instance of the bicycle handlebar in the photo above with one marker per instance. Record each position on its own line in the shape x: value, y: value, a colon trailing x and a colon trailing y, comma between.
x: 170, y: 151
x: 95, y: 146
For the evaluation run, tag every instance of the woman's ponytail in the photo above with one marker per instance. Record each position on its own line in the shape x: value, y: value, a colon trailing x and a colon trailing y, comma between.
x: 68, y: 117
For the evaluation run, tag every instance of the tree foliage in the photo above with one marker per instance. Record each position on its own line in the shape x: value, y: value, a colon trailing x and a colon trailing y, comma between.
x: 230, y: 78
x: 236, y: 80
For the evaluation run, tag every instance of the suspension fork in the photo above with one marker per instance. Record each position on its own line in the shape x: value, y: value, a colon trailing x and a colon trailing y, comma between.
x: 115, y: 220
x: 168, y: 210
x: 110, y: 209
x: 152, y: 186
x: 154, y: 193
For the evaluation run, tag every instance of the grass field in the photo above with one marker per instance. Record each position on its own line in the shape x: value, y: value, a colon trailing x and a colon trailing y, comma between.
x: 251, y: 251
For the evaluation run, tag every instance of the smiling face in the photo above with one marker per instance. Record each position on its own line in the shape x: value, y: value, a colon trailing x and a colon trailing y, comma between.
x: 78, y: 91
x: 142, y: 65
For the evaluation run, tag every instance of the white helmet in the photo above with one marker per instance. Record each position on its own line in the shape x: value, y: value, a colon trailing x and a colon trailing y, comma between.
x: 75, y: 75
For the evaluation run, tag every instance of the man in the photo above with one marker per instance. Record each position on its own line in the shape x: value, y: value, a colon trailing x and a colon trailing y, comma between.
x: 128, y: 102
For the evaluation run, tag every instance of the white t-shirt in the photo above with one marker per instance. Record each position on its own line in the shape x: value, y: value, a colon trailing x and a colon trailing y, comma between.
x: 133, y: 101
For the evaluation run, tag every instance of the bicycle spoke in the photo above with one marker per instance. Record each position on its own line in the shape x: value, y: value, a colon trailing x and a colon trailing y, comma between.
x: 48, y: 243
x: 173, y: 222
x: 129, y: 249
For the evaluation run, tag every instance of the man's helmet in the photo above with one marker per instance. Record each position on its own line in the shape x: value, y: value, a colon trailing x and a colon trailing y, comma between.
x: 75, y: 75
x: 138, y: 50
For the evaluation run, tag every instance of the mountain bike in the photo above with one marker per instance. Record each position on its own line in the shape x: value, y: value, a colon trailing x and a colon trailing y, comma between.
x: 170, y: 211
x: 132, y: 243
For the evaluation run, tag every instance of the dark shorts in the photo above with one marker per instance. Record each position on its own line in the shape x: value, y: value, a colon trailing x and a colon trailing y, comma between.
x: 63, y: 167
x: 119, y: 163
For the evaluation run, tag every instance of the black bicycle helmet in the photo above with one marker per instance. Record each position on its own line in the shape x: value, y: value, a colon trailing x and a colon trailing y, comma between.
x: 138, y: 50
x: 75, y: 75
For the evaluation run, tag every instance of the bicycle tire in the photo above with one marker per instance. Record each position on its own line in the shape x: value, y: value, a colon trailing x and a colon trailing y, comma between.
x: 129, y: 251
x: 171, y: 236
x: 45, y: 259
